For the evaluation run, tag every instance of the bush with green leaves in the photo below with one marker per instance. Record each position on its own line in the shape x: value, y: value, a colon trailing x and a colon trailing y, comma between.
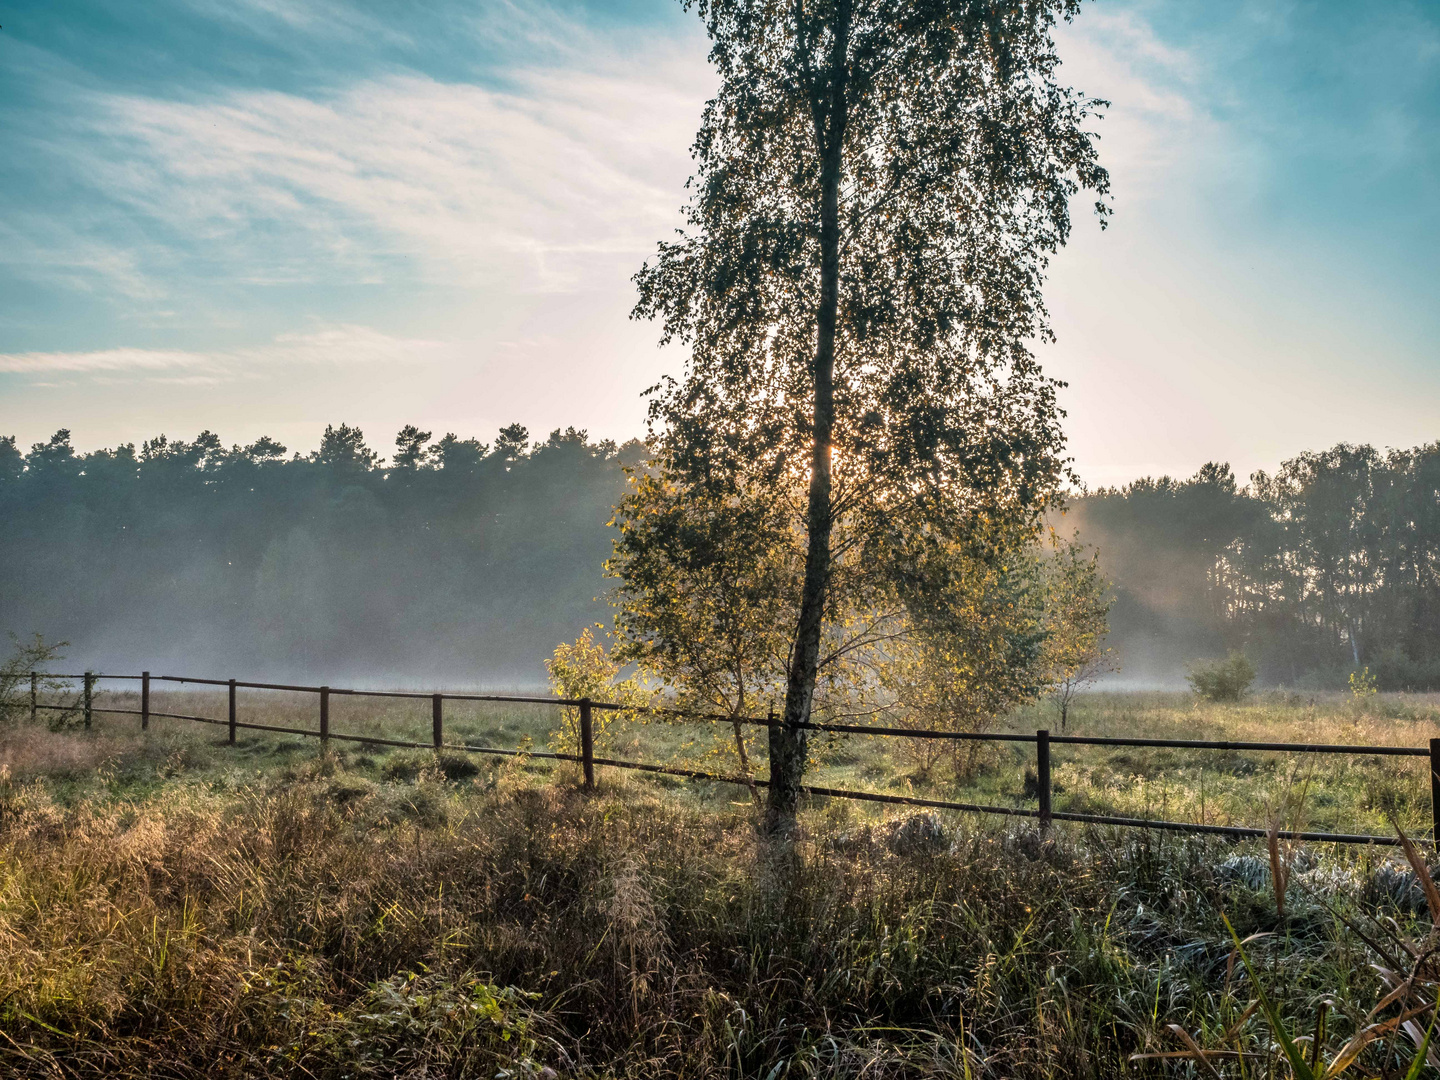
x: 1221, y: 680
x: 28, y: 655
x: 584, y: 668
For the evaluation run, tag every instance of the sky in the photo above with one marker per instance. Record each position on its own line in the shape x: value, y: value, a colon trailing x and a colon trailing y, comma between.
x: 263, y: 216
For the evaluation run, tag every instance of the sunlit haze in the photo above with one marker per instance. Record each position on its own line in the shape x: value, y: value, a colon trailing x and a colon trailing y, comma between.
x: 261, y: 217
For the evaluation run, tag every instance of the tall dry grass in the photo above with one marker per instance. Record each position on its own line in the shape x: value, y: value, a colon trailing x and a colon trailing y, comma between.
x: 325, y: 917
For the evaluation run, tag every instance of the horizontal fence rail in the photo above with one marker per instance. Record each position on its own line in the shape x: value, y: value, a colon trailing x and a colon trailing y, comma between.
x: 1043, y: 740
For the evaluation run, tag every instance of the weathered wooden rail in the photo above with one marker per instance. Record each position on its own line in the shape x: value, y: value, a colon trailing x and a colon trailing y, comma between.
x: 1043, y: 740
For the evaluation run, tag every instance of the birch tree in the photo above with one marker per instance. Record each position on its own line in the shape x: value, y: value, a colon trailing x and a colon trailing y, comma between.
x: 878, y: 187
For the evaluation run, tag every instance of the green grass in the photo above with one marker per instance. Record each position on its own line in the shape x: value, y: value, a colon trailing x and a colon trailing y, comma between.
x: 1337, y: 793
x: 1321, y: 792
x: 171, y: 906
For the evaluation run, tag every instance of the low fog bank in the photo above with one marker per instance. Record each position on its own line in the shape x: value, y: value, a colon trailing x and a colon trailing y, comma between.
x: 497, y: 661
x: 1330, y: 565
x: 1156, y: 671
x: 461, y: 564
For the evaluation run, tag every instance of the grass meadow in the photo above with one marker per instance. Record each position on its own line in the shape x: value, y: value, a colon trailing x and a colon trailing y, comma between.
x: 1356, y: 794
x: 172, y: 906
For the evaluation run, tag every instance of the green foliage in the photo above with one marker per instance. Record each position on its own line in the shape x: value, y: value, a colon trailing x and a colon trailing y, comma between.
x: 1077, y: 622
x: 1362, y: 685
x: 456, y: 457
x: 879, y: 185
x: 931, y: 155
x: 514, y: 441
x: 27, y: 655
x: 991, y: 627
x: 706, y: 605
x: 1310, y: 1062
x: 478, y: 1023
x: 12, y: 461
x: 1221, y: 680
x: 705, y: 594
x: 972, y: 646
x: 410, y: 448
x: 705, y: 600
x: 1318, y: 569
x: 584, y: 669
x: 343, y: 449
x: 455, y: 558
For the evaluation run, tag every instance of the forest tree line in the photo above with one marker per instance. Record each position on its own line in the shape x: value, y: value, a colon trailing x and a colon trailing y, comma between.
x: 468, y: 561
x: 1328, y: 565
x: 457, y: 560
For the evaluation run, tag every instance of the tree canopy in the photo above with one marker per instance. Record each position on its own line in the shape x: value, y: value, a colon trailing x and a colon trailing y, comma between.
x: 454, y: 562
x: 879, y: 184
x: 1330, y: 563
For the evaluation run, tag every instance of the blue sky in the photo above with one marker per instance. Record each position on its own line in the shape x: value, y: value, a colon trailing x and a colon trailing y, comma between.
x: 260, y: 216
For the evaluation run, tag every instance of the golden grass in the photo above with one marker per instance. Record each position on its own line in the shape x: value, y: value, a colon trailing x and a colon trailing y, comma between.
x: 1321, y: 792
x: 172, y: 906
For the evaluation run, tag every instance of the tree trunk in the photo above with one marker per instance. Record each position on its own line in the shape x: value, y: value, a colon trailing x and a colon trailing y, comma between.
x: 745, y: 762
x: 789, y: 743
x: 735, y: 715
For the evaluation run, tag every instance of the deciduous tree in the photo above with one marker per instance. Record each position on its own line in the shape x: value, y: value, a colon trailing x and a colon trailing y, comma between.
x: 706, y: 596
x: 1078, y: 603
x: 974, y: 640
x: 879, y: 184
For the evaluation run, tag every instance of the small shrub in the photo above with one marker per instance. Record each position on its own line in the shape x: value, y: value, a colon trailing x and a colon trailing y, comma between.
x: 1221, y: 680
x: 1362, y: 685
x: 27, y: 655
x: 585, y: 669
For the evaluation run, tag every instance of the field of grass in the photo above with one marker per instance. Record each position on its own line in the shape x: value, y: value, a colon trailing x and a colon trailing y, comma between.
x: 1319, y: 792
x: 171, y: 906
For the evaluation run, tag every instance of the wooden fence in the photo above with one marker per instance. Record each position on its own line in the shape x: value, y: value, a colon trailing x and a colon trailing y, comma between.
x: 1043, y: 741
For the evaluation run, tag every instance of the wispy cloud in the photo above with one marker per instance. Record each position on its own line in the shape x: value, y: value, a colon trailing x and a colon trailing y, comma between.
x: 57, y: 252
x: 136, y: 360
x: 410, y: 176
x: 340, y: 346
x: 1158, y: 116
x: 320, y: 20
x: 212, y: 172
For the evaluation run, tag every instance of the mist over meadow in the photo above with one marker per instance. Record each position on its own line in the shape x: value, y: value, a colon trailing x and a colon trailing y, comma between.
x: 1329, y: 565
x: 463, y: 562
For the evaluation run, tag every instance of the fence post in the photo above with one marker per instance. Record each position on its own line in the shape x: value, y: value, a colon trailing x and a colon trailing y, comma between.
x: 145, y: 701
x: 587, y: 744
x: 34, y: 696
x: 1042, y: 774
x: 89, y: 696
x: 437, y: 720
x: 232, y: 712
x: 324, y: 717
x: 1435, y: 791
